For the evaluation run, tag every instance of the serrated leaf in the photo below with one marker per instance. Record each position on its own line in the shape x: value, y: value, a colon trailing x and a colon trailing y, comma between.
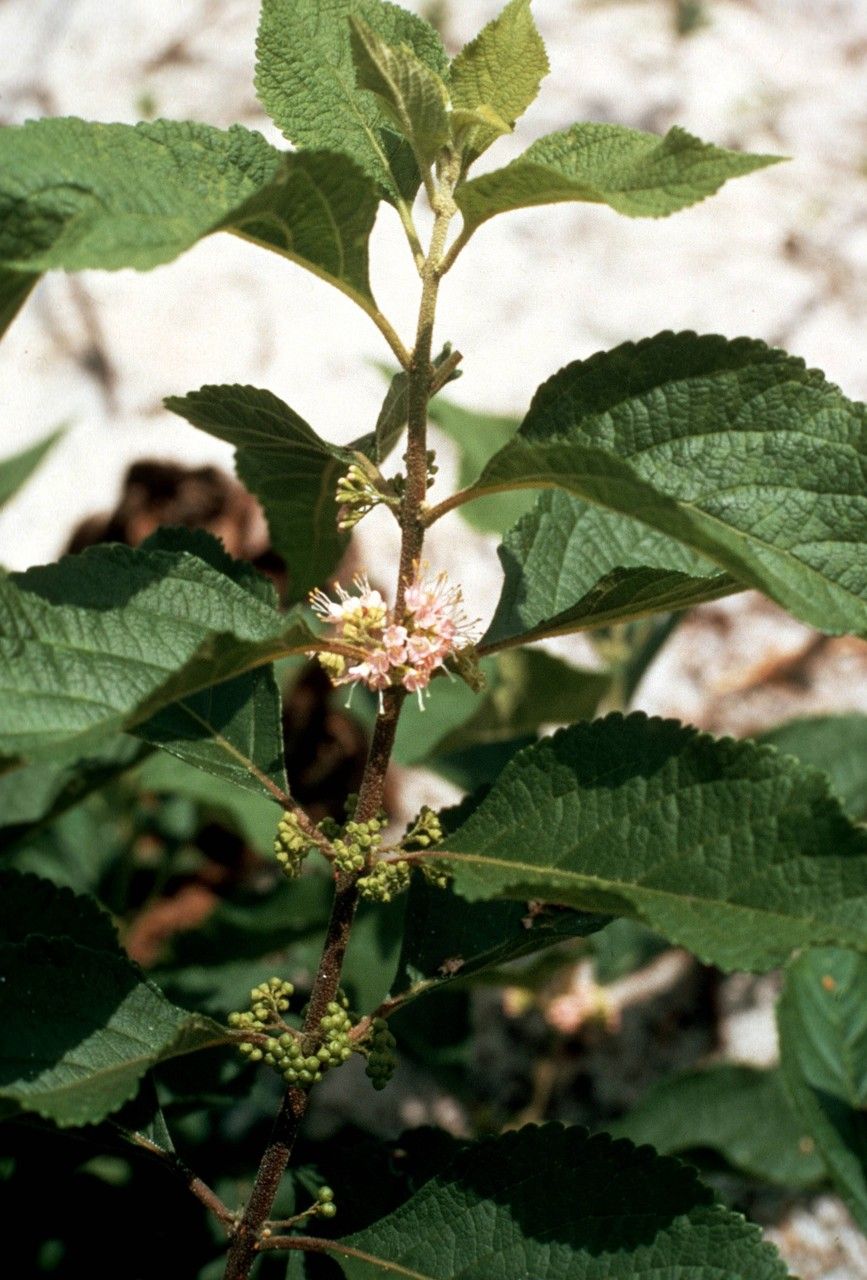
x: 306, y: 82
x: 76, y: 195
x: 742, y: 1113
x: 103, y: 641
x: 81, y: 1028
x: 414, y: 97
x: 29, y: 904
x: 735, y: 450
x: 15, y: 471
x: 81, y: 1025
x: 478, y: 436
x: 498, y: 72
x: 639, y: 174
x: 568, y: 566
x: 835, y: 744
x: 287, y: 466
x: 822, y: 1019
x: 717, y: 845
x: 554, y: 1202
x: 233, y: 731
x: 15, y: 288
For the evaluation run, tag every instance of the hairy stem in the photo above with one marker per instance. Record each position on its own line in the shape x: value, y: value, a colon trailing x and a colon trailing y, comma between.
x: 247, y: 1238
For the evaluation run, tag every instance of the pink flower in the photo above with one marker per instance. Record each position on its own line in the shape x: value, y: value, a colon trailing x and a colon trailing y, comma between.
x: 394, y: 650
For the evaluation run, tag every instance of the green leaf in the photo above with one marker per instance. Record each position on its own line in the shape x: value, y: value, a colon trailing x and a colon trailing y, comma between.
x: 103, y: 641
x: 414, y: 97
x: 306, y: 81
x: 287, y: 466
x: 478, y: 436
x: 233, y: 731
x: 39, y: 793
x: 835, y: 744
x: 446, y: 937
x: 81, y: 1025
x: 640, y: 174
x: 82, y: 1028
x: 15, y: 471
x: 76, y: 195
x: 15, y: 288
x: 569, y: 567
x: 822, y: 1018
x: 531, y: 689
x: 718, y: 845
x: 500, y: 72
x: 557, y: 1203
x: 736, y: 450
x: 740, y: 1112
x: 31, y: 905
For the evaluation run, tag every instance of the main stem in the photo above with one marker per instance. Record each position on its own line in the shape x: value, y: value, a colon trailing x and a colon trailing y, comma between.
x: 245, y: 1243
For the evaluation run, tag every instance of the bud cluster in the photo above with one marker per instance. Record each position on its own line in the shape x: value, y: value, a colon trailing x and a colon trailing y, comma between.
x: 394, y: 649
x: 381, y: 1059
x: 425, y: 832
x: 300, y: 1059
x: 360, y: 490
x: 325, y: 1206
x: 291, y: 845
x: 385, y: 881
x: 356, y: 846
x: 267, y: 1003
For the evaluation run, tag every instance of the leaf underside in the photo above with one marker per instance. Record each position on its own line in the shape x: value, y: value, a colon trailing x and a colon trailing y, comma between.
x: 638, y: 174
x: 287, y: 466
x: 822, y: 1019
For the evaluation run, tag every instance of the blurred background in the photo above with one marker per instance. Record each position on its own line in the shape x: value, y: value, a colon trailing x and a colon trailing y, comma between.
x: 781, y: 256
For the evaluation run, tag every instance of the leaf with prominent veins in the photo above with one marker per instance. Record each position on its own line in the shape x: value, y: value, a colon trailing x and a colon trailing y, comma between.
x: 554, y: 1202
x: 290, y: 469
x: 414, y: 97
x: 306, y: 81
x: 81, y: 1024
x: 76, y: 195
x: 836, y: 744
x: 105, y: 640
x: 496, y: 77
x: 639, y: 174
x: 735, y: 450
x: 718, y: 845
x: 569, y: 566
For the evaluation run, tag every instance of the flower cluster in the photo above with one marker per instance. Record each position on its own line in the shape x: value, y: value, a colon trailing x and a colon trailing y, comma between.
x: 394, y: 650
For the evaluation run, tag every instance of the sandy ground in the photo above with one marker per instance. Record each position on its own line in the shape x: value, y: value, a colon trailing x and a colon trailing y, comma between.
x: 781, y: 255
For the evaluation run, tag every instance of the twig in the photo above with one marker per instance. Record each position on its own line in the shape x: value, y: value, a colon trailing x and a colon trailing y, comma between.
x: 195, y: 1184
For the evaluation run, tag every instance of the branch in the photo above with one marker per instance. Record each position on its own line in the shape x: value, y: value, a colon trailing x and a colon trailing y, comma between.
x: 200, y: 1189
